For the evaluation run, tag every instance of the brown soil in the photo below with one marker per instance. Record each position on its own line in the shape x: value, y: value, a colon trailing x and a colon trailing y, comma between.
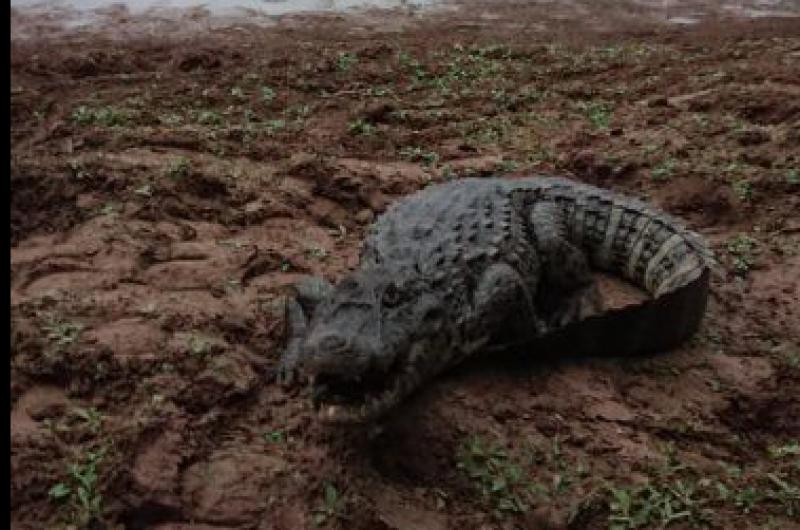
x: 166, y: 190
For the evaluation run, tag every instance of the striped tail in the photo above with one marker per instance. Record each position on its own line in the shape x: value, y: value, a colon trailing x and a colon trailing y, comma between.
x: 626, y: 237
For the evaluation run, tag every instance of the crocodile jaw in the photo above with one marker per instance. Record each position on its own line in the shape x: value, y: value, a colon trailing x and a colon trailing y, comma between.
x: 425, y: 360
x: 402, y: 382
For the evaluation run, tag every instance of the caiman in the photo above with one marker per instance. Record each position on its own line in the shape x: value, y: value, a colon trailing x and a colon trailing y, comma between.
x: 483, y: 264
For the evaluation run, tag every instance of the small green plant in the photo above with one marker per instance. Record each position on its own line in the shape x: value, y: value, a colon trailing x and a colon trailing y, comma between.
x: 448, y: 173
x: 146, y: 190
x: 598, y: 113
x: 663, y: 170
x: 379, y: 91
x: 742, y: 249
x: 793, y: 177
x: 273, y: 126
x: 170, y: 119
x: 332, y: 505
x: 209, y: 117
x: 345, y: 61
x: 108, y: 209
x: 61, y: 334
x: 275, y: 437
x: 178, y: 168
x: 745, y: 499
x: 267, y: 94
x: 417, y: 154
x: 507, y: 166
x: 501, y: 481
x: 199, y: 346
x: 410, y: 63
x: 297, y: 112
x: 80, y: 489
x: 91, y: 417
x: 105, y: 116
x: 790, y: 449
x: 654, y: 506
x: 743, y: 189
x: 317, y: 253
x: 786, y: 494
x: 361, y: 127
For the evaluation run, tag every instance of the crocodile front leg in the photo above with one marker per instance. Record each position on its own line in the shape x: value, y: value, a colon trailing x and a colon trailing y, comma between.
x: 503, y: 308
x: 568, y: 291
x: 309, y: 292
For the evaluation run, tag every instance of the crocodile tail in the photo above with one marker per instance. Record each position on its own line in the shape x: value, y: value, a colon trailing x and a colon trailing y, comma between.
x: 656, y: 252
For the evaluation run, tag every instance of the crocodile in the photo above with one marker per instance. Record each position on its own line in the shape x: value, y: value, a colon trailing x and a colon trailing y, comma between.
x: 486, y: 264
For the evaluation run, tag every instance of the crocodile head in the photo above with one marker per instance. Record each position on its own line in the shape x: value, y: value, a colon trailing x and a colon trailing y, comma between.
x: 369, y: 343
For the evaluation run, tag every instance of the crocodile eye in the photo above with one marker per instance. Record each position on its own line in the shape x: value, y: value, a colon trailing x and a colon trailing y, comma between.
x: 391, y: 296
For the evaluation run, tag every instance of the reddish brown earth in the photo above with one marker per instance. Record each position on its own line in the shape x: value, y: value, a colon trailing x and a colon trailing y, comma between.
x: 166, y: 190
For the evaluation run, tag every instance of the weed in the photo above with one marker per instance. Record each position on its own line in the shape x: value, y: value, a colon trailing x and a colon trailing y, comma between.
x: 742, y: 248
x: 745, y: 498
x: 275, y: 437
x: 170, y: 119
x: 105, y: 116
x: 297, y: 112
x: 790, y: 449
x: 345, y: 61
x: 399, y: 115
x: 447, y: 172
x: 500, y: 480
x: 145, y: 190
x: 501, y: 98
x: 81, y: 489
x: 598, y: 113
x: 61, y: 334
x: 273, y: 126
x: 379, y: 91
x: 793, y: 177
x: 649, y: 505
x: 199, y: 346
x: 793, y: 360
x: 91, y: 417
x: 317, y: 253
x: 361, y: 127
x: 664, y: 170
x: 484, y: 131
x: 540, y: 155
x: 417, y: 154
x: 786, y: 494
x: 208, y: 117
x: 233, y: 285
x: 77, y: 169
x: 267, y: 94
x: 178, y: 168
x: 743, y: 189
x: 409, y: 63
x: 332, y: 505
x: 507, y: 166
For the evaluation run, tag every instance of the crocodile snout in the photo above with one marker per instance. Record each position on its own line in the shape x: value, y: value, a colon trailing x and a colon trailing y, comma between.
x: 333, y: 343
x: 332, y: 353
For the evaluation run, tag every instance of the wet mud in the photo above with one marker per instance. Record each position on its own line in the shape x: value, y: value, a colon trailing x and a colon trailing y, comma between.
x: 167, y: 189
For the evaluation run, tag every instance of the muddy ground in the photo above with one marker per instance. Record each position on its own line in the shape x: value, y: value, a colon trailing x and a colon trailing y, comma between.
x: 167, y: 187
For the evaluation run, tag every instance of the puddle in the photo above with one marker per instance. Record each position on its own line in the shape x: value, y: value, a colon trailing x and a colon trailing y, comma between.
x: 34, y: 18
x: 684, y: 21
x: 226, y: 7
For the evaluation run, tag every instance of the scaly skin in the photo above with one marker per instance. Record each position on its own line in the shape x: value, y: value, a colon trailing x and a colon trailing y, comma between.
x: 481, y: 264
